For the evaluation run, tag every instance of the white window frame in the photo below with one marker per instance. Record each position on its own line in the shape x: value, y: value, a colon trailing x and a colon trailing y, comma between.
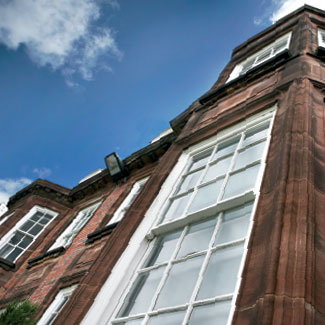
x: 53, y: 308
x: 125, y: 205
x: 321, y: 38
x: 255, y: 59
x: 66, y: 238
x: 5, y: 239
x: 110, y: 299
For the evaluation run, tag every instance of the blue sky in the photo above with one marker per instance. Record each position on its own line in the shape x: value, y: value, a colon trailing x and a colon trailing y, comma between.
x: 83, y: 78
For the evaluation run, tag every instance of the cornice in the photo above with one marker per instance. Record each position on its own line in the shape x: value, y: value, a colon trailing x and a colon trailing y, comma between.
x: 42, y: 188
x: 141, y: 158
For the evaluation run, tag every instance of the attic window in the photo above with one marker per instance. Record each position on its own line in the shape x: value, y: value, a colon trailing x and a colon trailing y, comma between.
x: 265, y: 54
x: 321, y: 38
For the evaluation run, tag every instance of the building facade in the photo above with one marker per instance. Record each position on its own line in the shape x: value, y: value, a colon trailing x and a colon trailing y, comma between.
x: 218, y: 221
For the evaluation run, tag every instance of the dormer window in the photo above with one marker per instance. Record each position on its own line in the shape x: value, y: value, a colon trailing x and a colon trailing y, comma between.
x: 321, y: 38
x: 265, y: 54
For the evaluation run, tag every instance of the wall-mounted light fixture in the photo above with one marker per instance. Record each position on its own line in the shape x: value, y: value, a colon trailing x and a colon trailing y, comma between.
x: 115, y: 166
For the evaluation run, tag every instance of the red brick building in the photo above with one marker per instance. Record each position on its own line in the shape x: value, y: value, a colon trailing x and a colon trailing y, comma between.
x: 221, y: 221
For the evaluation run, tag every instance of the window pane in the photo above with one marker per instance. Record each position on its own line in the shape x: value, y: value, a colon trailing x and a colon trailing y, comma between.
x: 142, y: 293
x: 249, y: 155
x: 175, y: 318
x: 206, y: 195
x: 200, y: 160
x: 198, y: 237
x: 25, y: 242
x: 241, y: 182
x: 51, y: 319
x: 16, y: 238
x: 181, y: 281
x: 217, y: 169
x: 226, y: 148
x: 234, y: 224
x: 27, y: 225
x: 61, y: 304
x: 57, y: 309
x: 49, y: 216
x: 213, y: 314
x: 35, y: 230
x: 264, y: 55
x: 164, y: 248
x: 177, y: 207
x: 36, y: 216
x: 190, y: 181
x: 281, y: 45
x: 13, y: 255
x: 5, y: 250
x: 248, y: 65
x: 255, y: 134
x: 221, y: 274
x: 44, y: 220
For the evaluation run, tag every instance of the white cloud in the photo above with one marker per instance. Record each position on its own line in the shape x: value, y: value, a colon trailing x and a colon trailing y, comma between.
x: 42, y: 172
x: 9, y: 187
x: 257, y: 21
x: 284, y: 7
x: 62, y: 34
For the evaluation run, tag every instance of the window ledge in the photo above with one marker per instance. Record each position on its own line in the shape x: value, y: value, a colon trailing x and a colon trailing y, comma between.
x: 49, y: 254
x: 98, y: 234
x: 6, y: 265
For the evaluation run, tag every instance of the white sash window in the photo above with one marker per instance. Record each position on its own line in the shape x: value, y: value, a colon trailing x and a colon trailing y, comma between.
x: 258, y: 58
x: 25, y: 232
x: 191, y: 272
x: 76, y: 225
x: 57, y: 305
x: 135, y: 191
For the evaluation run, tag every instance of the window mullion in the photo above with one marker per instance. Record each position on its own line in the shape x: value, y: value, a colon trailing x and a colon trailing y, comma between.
x: 206, y: 168
x: 207, y: 301
x: 203, y: 268
x: 40, y: 224
x: 25, y: 233
x: 196, y: 187
x: 165, y: 274
x: 229, y: 244
x: 232, y: 164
